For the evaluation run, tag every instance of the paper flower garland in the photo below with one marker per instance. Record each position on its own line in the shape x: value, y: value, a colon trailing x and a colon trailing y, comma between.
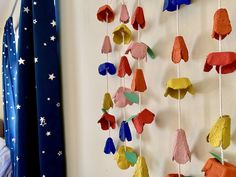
x: 224, y: 62
x: 178, y: 87
x: 107, y: 121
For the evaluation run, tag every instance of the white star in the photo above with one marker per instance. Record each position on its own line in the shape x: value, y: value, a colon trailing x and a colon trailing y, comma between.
x: 21, y: 61
x: 48, y: 134
x: 18, y: 106
x: 43, y: 176
x: 25, y: 29
x: 45, y: 44
x: 35, y: 3
x: 43, y: 152
x: 52, y: 38
x: 42, y: 121
x: 13, y: 140
x: 48, y: 99
x: 58, y: 104
x: 53, y: 23
x: 59, y: 153
x: 26, y: 9
x: 51, y: 76
x: 35, y: 21
x: 36, y: 60
x: 17, y: 158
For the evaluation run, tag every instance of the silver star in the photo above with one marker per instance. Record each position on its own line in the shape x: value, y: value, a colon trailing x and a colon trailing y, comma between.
x: 26, y: 9
x: 51, y: 76
x: 21, y: 61
x: 48, y: 134
x: 35, y: 21
x: 36, y: 60
x: 17, y: 158
x: 53, y: 23
x: 18, y: 106
x: 42, y: 121
x: 52, y: 38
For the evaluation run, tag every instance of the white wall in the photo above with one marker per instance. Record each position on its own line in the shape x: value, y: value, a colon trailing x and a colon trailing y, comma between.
x: 83, y: 88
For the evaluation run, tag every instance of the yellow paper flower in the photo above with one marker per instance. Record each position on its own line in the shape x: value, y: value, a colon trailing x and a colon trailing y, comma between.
x: 220, y: 133
x: 122, y: 34
x: 141, y: 169
x: 107, y: 101
x: 120, y: 158
x: 182, y: 85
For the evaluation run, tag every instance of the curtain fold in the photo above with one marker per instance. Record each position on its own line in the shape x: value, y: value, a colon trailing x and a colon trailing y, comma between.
x: 9, y: 73
x: 39, y: 137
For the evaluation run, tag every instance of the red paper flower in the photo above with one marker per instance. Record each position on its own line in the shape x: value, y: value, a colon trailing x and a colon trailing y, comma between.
x: 144, y: 117
x: 107, y: 121
x: 180, y: 50
x: 105, y: 14
x: 138, y: 19
x: 124, y: 67
x: 227, y: 61
x: 138, y: 82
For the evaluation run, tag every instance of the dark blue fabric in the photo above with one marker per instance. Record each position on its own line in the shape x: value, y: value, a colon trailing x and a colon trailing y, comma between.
x: 125, y: 132
x: 171, y: 5
x: 9, y: 63
x: 40, y: 145
x: 109, y: 146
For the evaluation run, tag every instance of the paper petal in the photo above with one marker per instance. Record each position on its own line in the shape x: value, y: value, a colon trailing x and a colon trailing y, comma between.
x: 107, y: 121
x: 220, y: 133
x: 109, y: 146
x: 124, y: 67
x: 213, y: 168
x: 106, y: 47
x: 107, y: 102
x: 105, y: 14
x: 107, y: 67
x: 138, y: 50
x: 132, y: 97
x: 124, y: 14
x: 125, y: 133
x: 227, y: 61
x: 222, y: 26
x: 151, y: 53
x: 138, y: 19
x: 171, y: 5
x: 138, y: 82
x: 179, y: 84
x: 131, y: 157
x: 141, y: 169
x: 144, y: 117
x: 181, y: 152
x: 120, y: 157
x: 217, y: 157
x: 122, y: 34
x: 119, y: 98
x: 180, y: 50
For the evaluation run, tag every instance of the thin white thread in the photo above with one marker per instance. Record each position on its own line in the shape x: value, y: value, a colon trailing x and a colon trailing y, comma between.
x: 138, y: 2
x: 179, y: 100
x: 179, y: 170
x: 219, y: 4
x: 177, y: 19
x: 222, y: 155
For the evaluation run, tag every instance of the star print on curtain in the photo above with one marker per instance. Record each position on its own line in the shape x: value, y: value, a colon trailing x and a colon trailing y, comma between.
x: 39, y: 142
x: 9, y: 63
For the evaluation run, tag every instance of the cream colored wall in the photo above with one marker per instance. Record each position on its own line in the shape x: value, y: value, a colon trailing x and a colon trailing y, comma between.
x: 83, y: 88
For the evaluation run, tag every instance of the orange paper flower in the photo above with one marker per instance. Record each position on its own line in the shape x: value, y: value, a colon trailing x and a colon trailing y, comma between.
x: 138, y: 82
x: 124, y: 67
x: 180, y: 50
x: 213, y: 168
x: 222, y: 26
x: 227, y: 61
x: 105, y: 14
x: 138, y: 19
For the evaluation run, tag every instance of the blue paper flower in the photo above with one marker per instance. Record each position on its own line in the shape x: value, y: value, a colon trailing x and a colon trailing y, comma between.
x: 171, y: 5
x: 109, y: 146
x: 107, y: 67
x: 125, y: 132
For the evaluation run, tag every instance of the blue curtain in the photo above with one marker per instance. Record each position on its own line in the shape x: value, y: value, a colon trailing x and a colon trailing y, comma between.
x: 9, y: 72
x: 39, y: 131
